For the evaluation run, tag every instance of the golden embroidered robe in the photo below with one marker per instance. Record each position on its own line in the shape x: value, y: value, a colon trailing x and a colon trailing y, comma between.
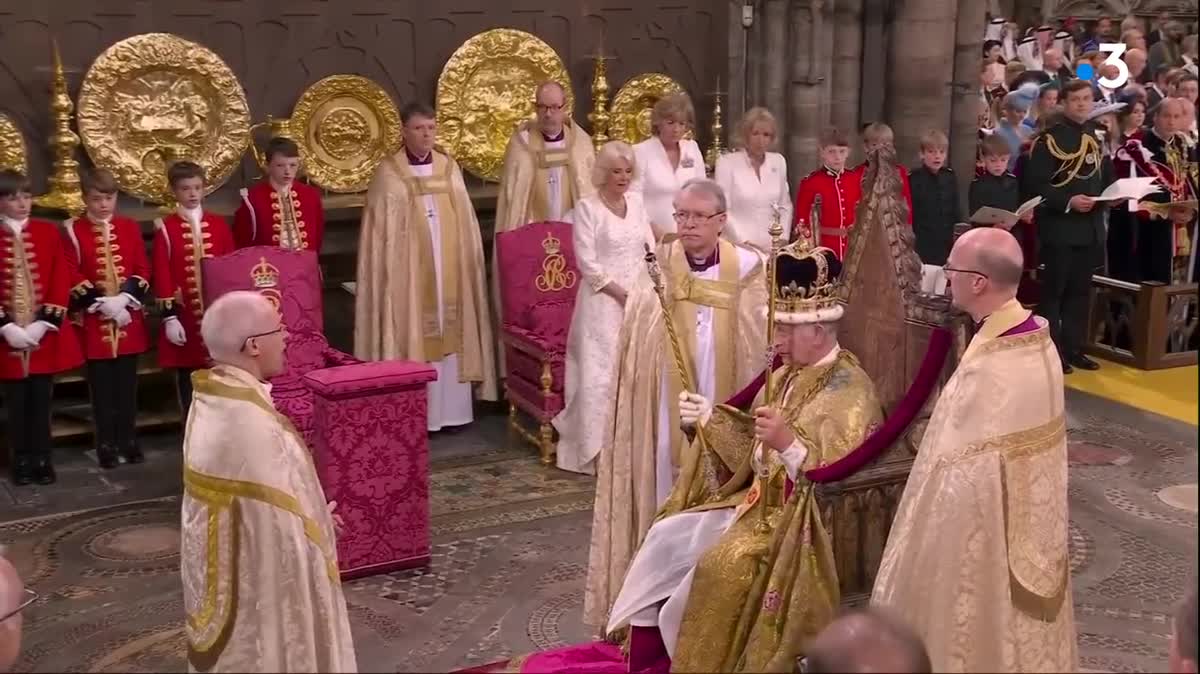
x: 977, y: 559
x: 258, y: 559
x: 405, y: 308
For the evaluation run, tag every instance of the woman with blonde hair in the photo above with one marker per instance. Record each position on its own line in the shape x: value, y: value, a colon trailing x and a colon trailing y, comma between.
x: 667, y: 160
x: 754, y: 181
x: 610, y: 233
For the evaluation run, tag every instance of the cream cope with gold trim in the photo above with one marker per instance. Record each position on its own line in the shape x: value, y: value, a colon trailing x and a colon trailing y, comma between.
x: 977, y: 559
x: 396, y: 299
x: 258, y: 555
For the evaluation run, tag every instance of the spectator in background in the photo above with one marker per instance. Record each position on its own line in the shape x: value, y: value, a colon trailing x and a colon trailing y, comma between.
x: 13, y: 598
x: 1013, y: 109
x: 1158, y: 88
x: 993, y: 51
x: 1182, y: 658
x: 1156, y: 33
x: 1190, y: 58
x: 1101, y: 32
x: 1132, y: 22
x: 1012, y: 70
x: 936, y: 206
x: 1135, y: 60
x: 1053, y: 65
x: 1101, y: 92
x: 1169, y: 50
x: 1182, y: 85
x: 871, y: 640
x: 1134, y: 39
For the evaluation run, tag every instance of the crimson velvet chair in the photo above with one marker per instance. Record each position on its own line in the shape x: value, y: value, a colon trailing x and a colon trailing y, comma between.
x: 363, y: 422
x: 538, y: 282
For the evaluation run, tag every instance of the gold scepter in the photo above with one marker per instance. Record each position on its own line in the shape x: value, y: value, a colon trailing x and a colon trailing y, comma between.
x: 681, y: 365
x: 764, y: 472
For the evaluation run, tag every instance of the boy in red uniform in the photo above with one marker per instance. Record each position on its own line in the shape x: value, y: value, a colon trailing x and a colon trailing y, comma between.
x: 111, y: 270
x: 181, y: 241
x: 875, y: 136
x: 278, y: 211
x: 35, y: 286
x: 839, y: 191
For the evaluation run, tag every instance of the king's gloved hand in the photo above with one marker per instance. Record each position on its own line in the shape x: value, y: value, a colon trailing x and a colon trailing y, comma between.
x: 694, y: 409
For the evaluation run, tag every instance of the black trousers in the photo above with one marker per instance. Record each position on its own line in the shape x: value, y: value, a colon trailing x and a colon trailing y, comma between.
x: 28, y: 403
x: 183, y: 386
x: 114, y: 400
x: 1066, y: 287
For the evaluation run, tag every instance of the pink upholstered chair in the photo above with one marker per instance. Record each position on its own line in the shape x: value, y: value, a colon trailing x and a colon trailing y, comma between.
x: 364, y: 422
x: 538, y: 282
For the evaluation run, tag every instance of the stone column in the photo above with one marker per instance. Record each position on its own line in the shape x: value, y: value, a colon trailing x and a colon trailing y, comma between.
x: 805, y: 57
x: 847, y: 63
x: 964, y: 122
x: 920, y: 70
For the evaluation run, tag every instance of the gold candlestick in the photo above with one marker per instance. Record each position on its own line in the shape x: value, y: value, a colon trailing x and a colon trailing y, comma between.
x: 64, y: 193
x: 599, y: 116
x: 718, y: 146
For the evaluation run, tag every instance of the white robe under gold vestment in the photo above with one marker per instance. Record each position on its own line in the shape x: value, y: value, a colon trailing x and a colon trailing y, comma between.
x: 976, y: 561
x: 420, y: 292
x: 261, y: 590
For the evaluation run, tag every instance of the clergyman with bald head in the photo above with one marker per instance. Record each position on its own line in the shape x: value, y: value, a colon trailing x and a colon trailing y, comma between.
x: 718, y: 299
x: 976, y: 560
x: 258, y: 549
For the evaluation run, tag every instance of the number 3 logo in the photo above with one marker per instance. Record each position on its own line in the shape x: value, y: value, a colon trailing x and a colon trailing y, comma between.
x: 1114, y: 51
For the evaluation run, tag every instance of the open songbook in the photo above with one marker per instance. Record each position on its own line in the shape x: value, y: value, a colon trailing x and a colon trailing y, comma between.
x: 1002, y: 218
x: 1130, y: 188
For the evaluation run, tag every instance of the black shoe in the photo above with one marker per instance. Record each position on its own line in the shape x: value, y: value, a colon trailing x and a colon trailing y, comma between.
x: 43, y: 472
x: 1084, y: 363
x: 22, y: 472
x: 133, y: 455
x: 107, y: 457
x: 1067, y: 369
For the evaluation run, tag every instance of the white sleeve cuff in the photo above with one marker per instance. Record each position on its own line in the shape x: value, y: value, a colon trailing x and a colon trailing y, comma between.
x: 793, y: 458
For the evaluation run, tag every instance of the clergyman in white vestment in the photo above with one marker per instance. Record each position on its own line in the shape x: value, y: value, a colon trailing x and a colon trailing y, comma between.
x: 261, y: 590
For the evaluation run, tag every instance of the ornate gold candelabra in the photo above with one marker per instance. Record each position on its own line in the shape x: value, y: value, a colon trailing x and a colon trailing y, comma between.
x: 64, y: 193
x: 599, y: 116
x: 764, y: 471
x: 718, y: 146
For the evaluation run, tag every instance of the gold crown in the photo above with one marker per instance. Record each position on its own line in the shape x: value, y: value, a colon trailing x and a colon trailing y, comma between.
x: 551, y: 244
x: 820, y: 294
x: 265, y: 274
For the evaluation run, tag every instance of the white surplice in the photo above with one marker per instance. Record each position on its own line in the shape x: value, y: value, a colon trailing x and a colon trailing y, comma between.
x: 449, y: 400
x: 750, y: 196
x: 608, y: 249
x: 705, y: 359
x: 659, y: 580
x: 658, y: 182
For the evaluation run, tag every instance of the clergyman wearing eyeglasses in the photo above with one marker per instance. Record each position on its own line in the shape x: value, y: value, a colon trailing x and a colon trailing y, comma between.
x: 259, y: 565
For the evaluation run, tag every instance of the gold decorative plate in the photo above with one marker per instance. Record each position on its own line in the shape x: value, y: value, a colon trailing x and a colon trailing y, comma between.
x: 487, y: 89
x: 633, y: 103
x: 13, y: 154
x: 345, y: 125
x: 156, y: 98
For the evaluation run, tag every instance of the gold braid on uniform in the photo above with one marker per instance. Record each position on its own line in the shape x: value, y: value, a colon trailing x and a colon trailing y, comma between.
x: 1073, y: 163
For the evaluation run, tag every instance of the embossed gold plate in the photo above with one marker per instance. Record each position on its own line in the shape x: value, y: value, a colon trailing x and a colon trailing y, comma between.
x: 13, y: 154
x: 632, y: 105
x: 345, y: 125
x: 487, y: 89
x: 156, y: 98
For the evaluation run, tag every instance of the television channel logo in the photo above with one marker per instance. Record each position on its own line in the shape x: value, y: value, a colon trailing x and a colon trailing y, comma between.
x: 1115, y: 51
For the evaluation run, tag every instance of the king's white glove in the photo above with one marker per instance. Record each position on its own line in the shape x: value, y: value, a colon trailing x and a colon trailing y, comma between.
x: 17, y: 338
x: 174, y: 331
x: 111, y: 306
x: 122, y: 318
x: 37, y: 330
x: 694, y: 409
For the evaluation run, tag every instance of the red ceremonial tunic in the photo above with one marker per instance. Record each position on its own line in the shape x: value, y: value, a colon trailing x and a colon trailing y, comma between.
x: 905, y: 187
x: 266, y: 218
x: 106, y: 268
x: 35, y: 285
x: 176, y: 278
x: 839, y: 194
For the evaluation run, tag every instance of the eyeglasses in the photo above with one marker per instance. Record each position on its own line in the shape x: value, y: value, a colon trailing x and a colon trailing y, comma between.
x: 32, y: 597
x: 683, y: 217
x: 281, y: 328
x: 542, y: 107
x: 946, y: 268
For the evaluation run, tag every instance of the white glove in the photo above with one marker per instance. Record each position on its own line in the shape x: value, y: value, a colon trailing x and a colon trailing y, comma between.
x: 174, y: 331
x: 694, y: 409
x: 111, y: 306
x: 122, y: 318
x: 17, y: 338
x: 37, y: 330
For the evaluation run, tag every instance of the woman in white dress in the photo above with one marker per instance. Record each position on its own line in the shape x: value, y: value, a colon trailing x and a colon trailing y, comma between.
x: 667, y: 160
x: 611, y: 231
x: 754, y: 180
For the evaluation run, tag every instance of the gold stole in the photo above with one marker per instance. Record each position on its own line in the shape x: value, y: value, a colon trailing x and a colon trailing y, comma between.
x: 445, y: 338
x: 544, y: 160
x: 687, y: 294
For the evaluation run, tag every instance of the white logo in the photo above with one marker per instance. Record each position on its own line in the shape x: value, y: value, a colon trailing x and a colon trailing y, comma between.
x: 1114, y: 51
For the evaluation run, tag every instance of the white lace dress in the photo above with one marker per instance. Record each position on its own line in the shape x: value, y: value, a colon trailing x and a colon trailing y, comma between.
x: 608, y: 249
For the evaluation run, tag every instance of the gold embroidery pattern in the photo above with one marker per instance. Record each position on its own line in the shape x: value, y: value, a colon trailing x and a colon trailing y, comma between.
x: 555, y: 276
x: 288, y: 221
x: 1073, y: 164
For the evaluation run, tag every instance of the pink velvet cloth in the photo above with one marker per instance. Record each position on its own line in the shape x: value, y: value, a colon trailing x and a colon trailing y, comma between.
x: 597, y: 657
x: 363, y: 422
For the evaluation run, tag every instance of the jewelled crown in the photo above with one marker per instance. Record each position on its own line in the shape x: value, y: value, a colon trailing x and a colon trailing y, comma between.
x: 806, y: 282
x: 264, y: 274
x: 551, y: 245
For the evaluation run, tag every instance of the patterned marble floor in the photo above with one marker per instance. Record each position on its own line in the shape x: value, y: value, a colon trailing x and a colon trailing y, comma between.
x: 510, y: 547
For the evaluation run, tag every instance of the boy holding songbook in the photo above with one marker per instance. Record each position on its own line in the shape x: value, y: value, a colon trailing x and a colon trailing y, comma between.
x: 997, y: 187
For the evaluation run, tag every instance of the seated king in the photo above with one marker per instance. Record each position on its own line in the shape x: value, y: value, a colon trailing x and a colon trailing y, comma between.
x: 737, y: 573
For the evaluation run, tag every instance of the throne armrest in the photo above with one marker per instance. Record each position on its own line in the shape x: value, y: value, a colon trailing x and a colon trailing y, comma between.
x: 373, y: 378
x: 336, y: 358
x: 527, y: 342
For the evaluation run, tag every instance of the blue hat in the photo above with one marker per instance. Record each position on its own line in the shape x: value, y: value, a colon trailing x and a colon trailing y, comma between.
x: 1023, y: 97
x: 1100, y: 108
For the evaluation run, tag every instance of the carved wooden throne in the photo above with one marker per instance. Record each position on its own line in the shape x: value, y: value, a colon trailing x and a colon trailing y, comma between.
x: 909, y: 343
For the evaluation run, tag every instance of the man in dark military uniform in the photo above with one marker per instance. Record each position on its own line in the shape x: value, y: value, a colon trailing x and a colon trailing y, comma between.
x: 1067, y: 167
